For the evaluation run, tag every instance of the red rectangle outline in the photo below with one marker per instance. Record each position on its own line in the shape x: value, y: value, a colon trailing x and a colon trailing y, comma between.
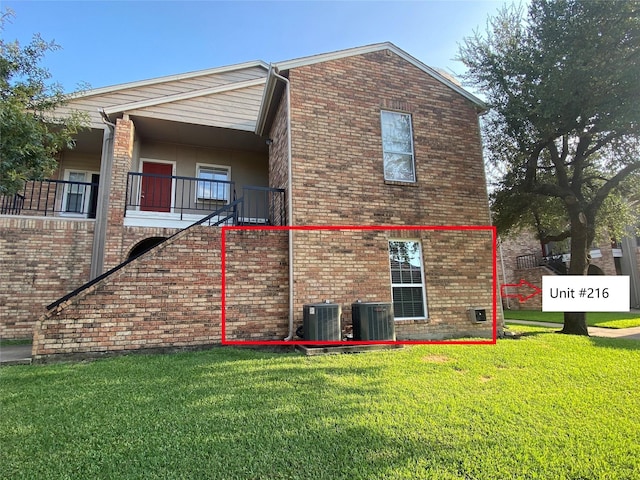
x: 494, y: 237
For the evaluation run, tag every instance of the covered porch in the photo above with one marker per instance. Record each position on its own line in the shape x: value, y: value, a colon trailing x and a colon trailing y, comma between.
x: 177, y: 174
x: 182, y: 172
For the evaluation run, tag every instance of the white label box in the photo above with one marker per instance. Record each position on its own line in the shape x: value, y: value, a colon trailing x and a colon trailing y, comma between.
x: 585, y: 293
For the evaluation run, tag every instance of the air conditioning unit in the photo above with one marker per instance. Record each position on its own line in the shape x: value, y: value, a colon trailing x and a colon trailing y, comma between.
x: 373, y: 321
x: 321, y: 321
x: 478, y: 315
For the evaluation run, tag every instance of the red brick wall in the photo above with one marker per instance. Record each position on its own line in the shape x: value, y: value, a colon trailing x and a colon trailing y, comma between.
x: 338, y: 179
x: 257, y: 285
x: 605, y: 262
x: 524, y: 243
x: 338, y: 176
x: 346, y: 265
x: 41, y: 260
x: 167, y: 297
x: 122, y: 165
x: 171, y: 297
x: 534, y: 277
x: 342, y: 266
x: 278, y: 150
x: 131, y: 236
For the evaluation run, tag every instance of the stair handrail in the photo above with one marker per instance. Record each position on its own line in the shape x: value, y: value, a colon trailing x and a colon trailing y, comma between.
x: 233, y: 206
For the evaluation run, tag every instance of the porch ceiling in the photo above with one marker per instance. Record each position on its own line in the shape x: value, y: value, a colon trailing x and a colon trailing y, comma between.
x: 197, y: 135
x: 89, y: 141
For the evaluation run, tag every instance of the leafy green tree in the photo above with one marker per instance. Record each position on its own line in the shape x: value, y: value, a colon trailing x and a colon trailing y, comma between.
x: 31, y: 134
x: 562, y: 80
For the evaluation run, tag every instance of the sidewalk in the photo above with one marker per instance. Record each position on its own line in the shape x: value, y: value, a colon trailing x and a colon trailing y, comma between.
x: 15, y: 354
x: 626, y: 333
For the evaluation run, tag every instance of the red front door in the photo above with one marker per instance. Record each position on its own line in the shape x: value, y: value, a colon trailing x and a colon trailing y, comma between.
x: 155, y: 192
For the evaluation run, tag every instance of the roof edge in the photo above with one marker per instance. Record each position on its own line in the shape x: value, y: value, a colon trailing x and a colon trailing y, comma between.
x: 325, y: 57
x: 376, y: 47
x: 184, y: 96
x: 265, y: 102
x: 169, y: 78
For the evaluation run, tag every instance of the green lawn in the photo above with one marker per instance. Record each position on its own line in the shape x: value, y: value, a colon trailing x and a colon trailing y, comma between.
x: 594, y: 319
x: 545, y: 406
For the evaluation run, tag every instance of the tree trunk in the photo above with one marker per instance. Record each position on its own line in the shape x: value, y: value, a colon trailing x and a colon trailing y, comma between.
x: 575, y: 323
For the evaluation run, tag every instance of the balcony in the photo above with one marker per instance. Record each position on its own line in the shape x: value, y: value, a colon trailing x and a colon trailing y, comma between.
x: 154, y: 200
x: 52, y: 198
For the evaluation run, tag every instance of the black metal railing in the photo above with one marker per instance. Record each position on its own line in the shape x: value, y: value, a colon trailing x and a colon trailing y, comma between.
x: 193, y: 196
x: 52, y: 197
x: 262, y: 205
x: 176, y: 194
x: 553, y: 262
x: 527, y: 261
x: 11, y: 204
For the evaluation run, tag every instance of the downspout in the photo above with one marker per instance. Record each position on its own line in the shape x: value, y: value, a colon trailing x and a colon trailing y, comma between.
x: 289, y: 201
x: 504, y: 273
x: 99, y: 233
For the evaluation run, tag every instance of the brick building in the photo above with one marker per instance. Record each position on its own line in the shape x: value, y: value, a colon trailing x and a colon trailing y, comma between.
x: 363, y: 137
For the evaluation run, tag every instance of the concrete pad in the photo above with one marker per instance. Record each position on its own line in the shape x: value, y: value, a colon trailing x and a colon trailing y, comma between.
x: 336, y: 349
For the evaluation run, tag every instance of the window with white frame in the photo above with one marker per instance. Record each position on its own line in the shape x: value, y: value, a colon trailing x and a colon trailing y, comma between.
x: 213, y: 183
x: 407, y: 279
x: 397, y: 147
x: 79, y: 192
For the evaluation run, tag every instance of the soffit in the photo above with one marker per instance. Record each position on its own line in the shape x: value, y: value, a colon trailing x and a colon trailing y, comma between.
x: 158, y: 130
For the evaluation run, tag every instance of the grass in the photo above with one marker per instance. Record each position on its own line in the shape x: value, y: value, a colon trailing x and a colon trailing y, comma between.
x: 546, y: 406
x: 594, y: 319
x: 21, y: 341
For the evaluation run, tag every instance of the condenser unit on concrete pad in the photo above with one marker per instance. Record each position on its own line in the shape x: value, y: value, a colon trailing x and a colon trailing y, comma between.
x: 478, y: 315
x: 373, y: 321
x: 321, y: 321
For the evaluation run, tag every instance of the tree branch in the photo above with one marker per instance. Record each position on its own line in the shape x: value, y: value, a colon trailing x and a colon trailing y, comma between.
x: 561, y: 170
x: 603, y: 191
x: 551, y: 190
x: 532, y: 166
x: 556, y: 238
x: 579, y: 161
x: 601, y: 143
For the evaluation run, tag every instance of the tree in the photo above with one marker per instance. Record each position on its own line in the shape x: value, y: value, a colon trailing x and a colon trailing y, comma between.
x: 31, y: 134
x: 562, y: 82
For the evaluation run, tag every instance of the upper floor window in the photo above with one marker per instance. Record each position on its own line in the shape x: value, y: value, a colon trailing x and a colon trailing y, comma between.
x: 213, y: 182
x: 397, y: 147
x: 80, y: 193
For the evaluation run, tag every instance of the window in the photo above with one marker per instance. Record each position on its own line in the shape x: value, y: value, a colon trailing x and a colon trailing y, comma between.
x: 80, y: 194
x: 397, y: 147
x: 75, y: 193
x: 213, y: 183
x: 407, y: 279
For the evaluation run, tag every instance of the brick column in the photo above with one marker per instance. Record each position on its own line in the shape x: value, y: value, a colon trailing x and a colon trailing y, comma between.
x: 122, y: 163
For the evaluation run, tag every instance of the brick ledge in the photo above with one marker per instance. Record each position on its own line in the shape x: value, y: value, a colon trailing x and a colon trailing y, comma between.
x: 411, y: 321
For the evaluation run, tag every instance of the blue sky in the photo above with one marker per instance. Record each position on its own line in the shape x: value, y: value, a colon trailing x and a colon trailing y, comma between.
x: 106, y: 43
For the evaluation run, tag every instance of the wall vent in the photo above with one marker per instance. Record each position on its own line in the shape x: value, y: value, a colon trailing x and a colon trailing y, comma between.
x: 478, y: 315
